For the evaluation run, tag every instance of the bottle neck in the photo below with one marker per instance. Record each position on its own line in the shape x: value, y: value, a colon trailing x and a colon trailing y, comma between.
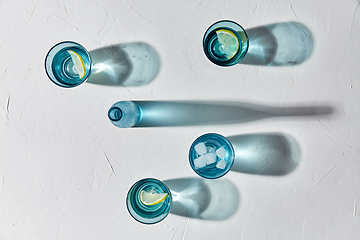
x: 115, y: 114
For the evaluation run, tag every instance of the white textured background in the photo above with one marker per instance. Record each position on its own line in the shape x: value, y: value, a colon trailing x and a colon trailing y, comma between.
x: 65, y: 169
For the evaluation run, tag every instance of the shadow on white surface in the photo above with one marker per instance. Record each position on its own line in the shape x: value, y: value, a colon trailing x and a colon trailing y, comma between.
x: 265, y: 154
x: 128, y: 64
x: 203, y: 199
x: 186, y: 113
x: 280, y: 44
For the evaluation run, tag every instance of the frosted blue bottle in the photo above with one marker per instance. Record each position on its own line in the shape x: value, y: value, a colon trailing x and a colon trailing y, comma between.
x: 125, y: 114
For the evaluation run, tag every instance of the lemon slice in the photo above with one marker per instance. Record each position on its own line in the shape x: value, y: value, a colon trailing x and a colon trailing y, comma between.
x: 152, y: 198
x: 229, y: 41
x: 78, y: 63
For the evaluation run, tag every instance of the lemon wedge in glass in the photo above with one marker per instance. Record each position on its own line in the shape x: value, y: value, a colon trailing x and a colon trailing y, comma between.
x: 152, y: 198
x: 229, y: 41
x: 78, y: 63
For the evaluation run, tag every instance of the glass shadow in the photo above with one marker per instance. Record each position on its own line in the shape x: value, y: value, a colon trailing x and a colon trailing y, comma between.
x: 128, y: 64
x: 265, y: 154
x: 186, y: 113
x: 203, y: 199
x: 280, y: 44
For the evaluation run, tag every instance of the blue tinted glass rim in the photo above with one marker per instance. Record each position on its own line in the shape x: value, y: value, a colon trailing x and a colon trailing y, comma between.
x: 225, y: 64
x: 70, y: 85
x: 146, y: 179
x: 205, y: 135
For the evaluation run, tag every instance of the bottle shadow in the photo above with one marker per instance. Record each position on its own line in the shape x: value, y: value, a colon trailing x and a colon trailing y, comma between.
x: 187, y: 113
x: 280, y: 44
x: 203, y: 199
x: 128, y: 64
x: 265, y: 154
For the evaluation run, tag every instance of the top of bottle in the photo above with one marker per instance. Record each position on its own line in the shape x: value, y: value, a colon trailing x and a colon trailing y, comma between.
x: 115, y: 114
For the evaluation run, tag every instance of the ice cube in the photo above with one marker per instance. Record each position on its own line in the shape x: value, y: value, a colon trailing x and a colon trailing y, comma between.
x: 221, y: 152
x: 211, y: 158
x: 200, y: 148
x: 200, y: 162
x: 221, y: 164
x: 210, y: 149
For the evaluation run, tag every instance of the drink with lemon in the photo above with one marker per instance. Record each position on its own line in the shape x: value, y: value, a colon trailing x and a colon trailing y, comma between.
x: 225, y: 43
x: 149, y: 201
x: 68, y: 64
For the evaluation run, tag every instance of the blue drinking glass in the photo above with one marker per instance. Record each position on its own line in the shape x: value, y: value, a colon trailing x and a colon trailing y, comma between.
x: 149, y: 212
x: 211, y: 156
x: 225, y: 43
x: 68, y: 64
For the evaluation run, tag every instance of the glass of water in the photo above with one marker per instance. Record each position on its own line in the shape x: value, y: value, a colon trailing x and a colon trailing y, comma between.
x: 211, y: 155
x: 225, y: 43
x: 149, y: 201
x: 68, y: 64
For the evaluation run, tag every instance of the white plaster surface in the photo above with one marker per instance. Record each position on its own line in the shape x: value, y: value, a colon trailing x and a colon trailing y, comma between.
x: 65, y: 169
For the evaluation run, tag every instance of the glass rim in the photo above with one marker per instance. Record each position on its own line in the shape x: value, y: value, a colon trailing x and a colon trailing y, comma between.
x: 70, y: 42
x: 230, y: 21
x: 229, y: 144
x: 137, y: 182
x: 226, y: 20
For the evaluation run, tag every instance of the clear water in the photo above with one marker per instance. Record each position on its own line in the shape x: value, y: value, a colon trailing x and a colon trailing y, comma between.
x: 148, y: 214
x: 63, y: 67
x: 212, y: 142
